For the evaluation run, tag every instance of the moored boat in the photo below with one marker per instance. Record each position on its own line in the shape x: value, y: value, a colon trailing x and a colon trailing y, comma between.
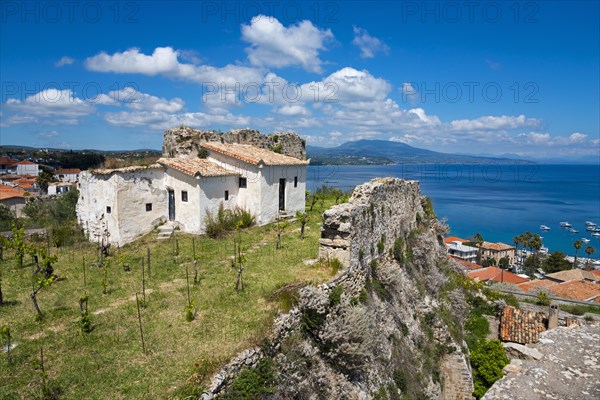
x: 565, y: 224
x: 544, y: 228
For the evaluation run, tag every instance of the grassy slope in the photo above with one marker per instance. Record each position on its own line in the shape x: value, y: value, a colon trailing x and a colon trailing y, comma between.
x: 108, y: 363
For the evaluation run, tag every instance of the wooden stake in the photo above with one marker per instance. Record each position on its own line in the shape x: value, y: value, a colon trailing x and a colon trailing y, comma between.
x: 187, y: 278
x: 148, y: 255
x: 193, y: 248
x: 140, y: 321
x: 84, y: 276
x: 8, y: 340
x: 143, y: 283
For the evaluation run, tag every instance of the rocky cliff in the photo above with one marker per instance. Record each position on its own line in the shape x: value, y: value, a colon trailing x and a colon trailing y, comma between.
x: 185, y: 142
x: 388, y: 326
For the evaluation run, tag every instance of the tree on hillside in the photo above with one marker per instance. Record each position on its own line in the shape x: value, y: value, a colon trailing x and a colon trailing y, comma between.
x: 303, y: 218
x: 535, y: 243
x: 478, y: 238
x: 555, y: 262
x: 577, y: 244
x: 337, y: 194
x: 44, y: 178
x: 589, y: 251
x: 42, y: 276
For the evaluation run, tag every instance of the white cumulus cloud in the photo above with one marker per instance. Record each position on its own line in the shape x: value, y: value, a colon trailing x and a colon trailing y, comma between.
x: 274, y: 45
x: 64, y: 61
x: 368, y: 45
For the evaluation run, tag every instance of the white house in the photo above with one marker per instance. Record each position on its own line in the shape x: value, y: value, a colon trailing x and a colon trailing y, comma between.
x: 67, y: 174
x: 459, y: 250
x: 55, y: 188
x: 122, y: 204
x: 27, y: 168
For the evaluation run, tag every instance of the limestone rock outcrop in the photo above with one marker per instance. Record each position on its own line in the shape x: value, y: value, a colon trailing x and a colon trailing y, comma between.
x: 388, y: 325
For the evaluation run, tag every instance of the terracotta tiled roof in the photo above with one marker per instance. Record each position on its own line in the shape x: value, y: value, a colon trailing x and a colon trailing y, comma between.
x: 64, y: 171
x: 520, y: 326
x: 578, y: 290
x: 26, y: 162
x: 197, y: 166
x: 465, y: 263
x: 252, y: 154
x: 134, y: 168
x: 451, y: 239
x: 496, y: 246
x: 9, y: 192
x: 8, y: 161
x: 573, y: 274
x: 536, y: 284
x: 496, y: 274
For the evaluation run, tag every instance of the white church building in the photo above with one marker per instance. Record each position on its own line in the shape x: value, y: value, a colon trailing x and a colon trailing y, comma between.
x: 122, y: 204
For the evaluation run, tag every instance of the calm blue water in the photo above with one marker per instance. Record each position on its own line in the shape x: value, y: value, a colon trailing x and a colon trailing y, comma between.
x: 499, y: 201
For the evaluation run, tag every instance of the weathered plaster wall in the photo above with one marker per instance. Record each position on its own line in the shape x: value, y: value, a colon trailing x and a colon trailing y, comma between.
x: 126, y: 193
x: 294, y: 196
x: 212, y: 194
x: 186, y: 213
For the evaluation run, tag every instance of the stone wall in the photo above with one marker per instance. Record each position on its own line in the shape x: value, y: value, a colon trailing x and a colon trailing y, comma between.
x: 185, y: 142
x: 382, y: 334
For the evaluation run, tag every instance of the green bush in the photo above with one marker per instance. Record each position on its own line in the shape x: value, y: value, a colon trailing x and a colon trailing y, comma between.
x: 477, y: 328
x: 335, y: 295
x: 397, y: 251
x: 487, y: 359
x: 227, y: 221
x: 542, y: 299
x: 252, y: 383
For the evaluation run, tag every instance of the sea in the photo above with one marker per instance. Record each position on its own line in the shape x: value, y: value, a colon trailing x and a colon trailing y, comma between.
x: 499, y: 201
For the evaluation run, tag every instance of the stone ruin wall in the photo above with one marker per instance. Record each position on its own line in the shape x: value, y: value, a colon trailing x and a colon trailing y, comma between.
x: 185, y: 142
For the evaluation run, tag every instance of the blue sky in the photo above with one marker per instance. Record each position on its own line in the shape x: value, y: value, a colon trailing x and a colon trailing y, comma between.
x: 470, y: 77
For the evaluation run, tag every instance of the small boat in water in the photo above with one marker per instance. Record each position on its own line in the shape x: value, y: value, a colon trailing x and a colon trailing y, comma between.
x: 544, y: 228
x: 565, y: 224
x: 592, y: 228
x: 596, y: 234
x: 589, y: 223
x: 585, y: 240
x: 573, y: 230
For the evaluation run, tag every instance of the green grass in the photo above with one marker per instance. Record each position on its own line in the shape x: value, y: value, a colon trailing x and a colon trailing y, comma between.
x: 108, y: 363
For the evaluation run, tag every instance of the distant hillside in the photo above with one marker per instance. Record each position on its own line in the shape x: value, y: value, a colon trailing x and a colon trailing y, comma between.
x: 365, y: 152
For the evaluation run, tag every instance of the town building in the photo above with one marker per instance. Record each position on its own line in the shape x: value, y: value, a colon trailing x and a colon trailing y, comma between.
x: 13, y: 198
x: 122, y: 204
x: 456, y: 248
x: 67, y: 174
x: 25, y: 167
x: 496, y: 251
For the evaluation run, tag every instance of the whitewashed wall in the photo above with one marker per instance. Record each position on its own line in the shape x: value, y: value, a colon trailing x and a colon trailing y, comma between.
x: 28, y: 169
x: 294, y: 196
x: 212, y: 194
x: 127, y: 194
x: 186, y: 213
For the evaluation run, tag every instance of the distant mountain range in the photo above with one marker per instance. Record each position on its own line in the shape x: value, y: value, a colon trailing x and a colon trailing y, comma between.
x: 377, y: 152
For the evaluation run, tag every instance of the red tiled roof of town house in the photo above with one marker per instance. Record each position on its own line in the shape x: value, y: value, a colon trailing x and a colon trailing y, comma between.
x: 578, y: 290
x: 496, y: 246
x: 65, y: 171
x: 495, y: 274
x: 8, y: 161
x: 9, y: 192
x: 596, y: 272
x: 197, y: 166
x: 252, y: 154
x: 25, y: 162
x: 536, y: 284
x: 469, y: 265
x: 573, y: 274
x: 451, y: 239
